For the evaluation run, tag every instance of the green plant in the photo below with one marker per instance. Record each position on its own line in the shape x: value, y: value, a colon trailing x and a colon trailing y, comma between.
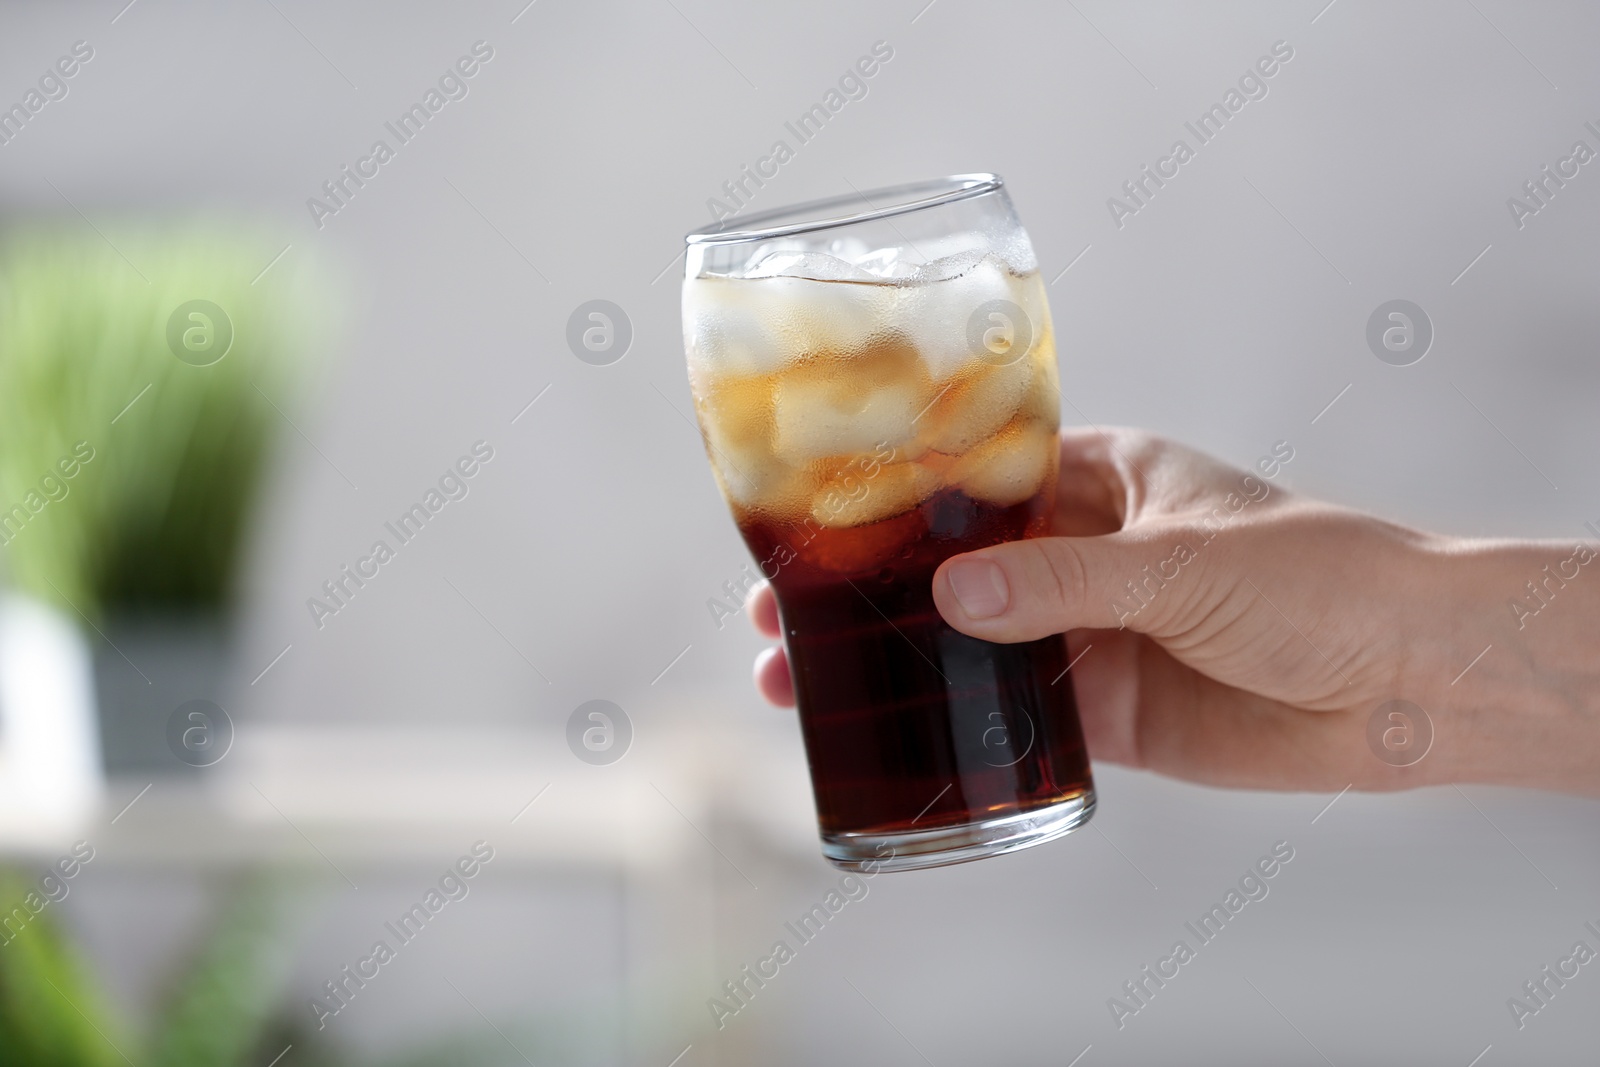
x: 156, y: 520
x: 51, y: 1014
x: 219, y: 1010
x: 47, y: 1003
x: 227, y: 1008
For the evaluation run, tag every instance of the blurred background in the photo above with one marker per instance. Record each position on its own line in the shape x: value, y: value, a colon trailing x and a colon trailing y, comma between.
x: 228, y: 768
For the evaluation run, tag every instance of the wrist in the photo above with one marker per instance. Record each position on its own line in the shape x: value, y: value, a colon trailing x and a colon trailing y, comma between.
x: 1512, y: 681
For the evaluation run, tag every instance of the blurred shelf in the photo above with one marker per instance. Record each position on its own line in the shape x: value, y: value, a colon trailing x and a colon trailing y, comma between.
x: 344, y: 797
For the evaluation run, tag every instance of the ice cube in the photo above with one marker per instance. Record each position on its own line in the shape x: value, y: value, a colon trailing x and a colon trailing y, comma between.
x: 826, y: 320
x: 815, y: 266
x: 949, y: 258
x: 736, y: 418
x: 851, y: 405
x: 913, y: 266
x: 724, y: 331
x: 754, y: 480
x: 818, y: 417
x: 755, y: 326
x: 936, y: 316
x: 856, y: 497
x: 1009, y: 467
x: 883, y: 263
x: 852, y: 260
x: 975, y: 405
x: 738, y: 408
x: 1043, y: 399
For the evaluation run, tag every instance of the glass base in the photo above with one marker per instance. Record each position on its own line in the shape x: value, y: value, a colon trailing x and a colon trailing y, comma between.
x: 915, y: 849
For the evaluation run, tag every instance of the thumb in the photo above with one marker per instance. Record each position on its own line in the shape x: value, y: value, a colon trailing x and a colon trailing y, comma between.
x: 1024, y: 590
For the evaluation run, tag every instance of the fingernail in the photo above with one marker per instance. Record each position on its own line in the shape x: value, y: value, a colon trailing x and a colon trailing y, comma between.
x: 980, y: 587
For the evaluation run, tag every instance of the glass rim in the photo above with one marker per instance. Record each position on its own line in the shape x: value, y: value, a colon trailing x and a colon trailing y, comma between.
x: 908, y: 197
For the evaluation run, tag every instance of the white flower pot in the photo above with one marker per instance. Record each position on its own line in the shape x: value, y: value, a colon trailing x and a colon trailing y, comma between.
x: 51, y: 777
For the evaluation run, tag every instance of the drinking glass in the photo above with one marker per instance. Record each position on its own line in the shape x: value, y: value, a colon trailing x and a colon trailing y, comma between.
x: 875, y: 379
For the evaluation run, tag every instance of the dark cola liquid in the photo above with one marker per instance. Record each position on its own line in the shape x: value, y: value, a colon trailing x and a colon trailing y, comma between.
x: 909, y: 724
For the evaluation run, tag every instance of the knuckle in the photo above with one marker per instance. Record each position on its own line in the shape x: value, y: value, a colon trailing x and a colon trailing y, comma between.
x: 1164, y: 578
x: 1069, y: 579
x: 1207, y: 583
